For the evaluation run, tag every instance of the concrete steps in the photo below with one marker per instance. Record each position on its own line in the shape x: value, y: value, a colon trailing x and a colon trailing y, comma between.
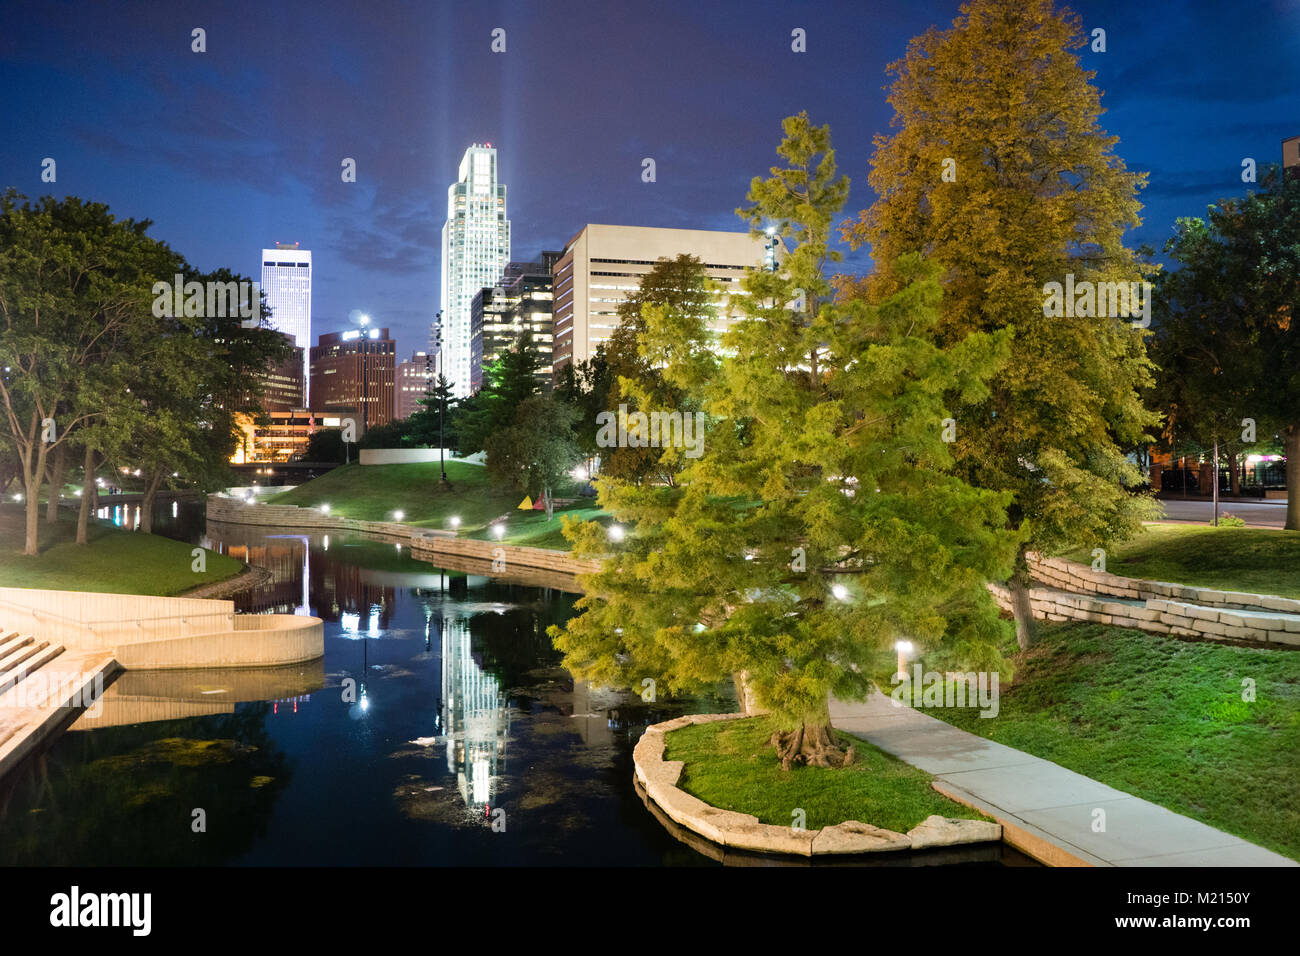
x: 21, y: 655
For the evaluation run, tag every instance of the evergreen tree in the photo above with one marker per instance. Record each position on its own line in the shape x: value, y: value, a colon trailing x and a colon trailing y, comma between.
x: 1002, y: 175
x: 819, y: 524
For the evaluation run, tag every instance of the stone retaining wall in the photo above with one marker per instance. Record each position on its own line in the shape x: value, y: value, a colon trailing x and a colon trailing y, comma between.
x: 1081, y: 579
x: 742, y: 831
x: 425, y: 543
x: 1159, y: 616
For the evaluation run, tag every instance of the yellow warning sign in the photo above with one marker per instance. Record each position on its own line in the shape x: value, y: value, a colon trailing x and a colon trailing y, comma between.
x: 526, y: 504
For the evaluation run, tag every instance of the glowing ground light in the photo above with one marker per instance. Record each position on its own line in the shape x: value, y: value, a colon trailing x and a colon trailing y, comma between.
x: 840, y: 591
x: 903, y: 647
x: 399, y: 515
x: 454, y: 521
x: 499, y: 530
x: 616, y: 532
x: 325, y: 509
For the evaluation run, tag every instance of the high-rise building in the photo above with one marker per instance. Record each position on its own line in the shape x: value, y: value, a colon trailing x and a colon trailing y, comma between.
x: 355, y: 369
x: 1291, y: 156
x: 522, y: 299
x: 282, y: 387
x: 475, y: 250
x: 413, y: 380
x: 286, y: 280
x: 602, y: 265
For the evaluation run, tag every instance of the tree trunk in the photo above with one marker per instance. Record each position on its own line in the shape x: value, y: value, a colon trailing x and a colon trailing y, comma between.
x: 1234, y: 481
x: 89, y: 492
x: 548, y: 502
x: 32, y: 477
x: 146, y: 506
x: 56, y: 485
x: 1026, y: 627
x: 1291, y: 445
x: 813, y: 743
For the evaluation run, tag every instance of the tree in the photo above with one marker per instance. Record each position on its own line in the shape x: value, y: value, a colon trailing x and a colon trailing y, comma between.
x: 818, y: 523
x: 325, y: 445
x: 585, y: 387
x: 1227, y: 343
x: 508, y: 381
x: 1001, y: 174
x: 432, y: 425
x: 536, y: 452
x: 681, y: 289
x: 72, y: 280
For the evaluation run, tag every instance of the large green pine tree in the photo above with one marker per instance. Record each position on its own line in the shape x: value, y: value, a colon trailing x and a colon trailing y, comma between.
x: 820, y: 524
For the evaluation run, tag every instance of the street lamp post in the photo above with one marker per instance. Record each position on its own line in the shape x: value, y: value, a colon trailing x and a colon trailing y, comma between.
x: 442, y: 408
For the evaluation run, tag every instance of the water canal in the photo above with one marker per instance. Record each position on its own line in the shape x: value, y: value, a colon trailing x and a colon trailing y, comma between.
x: 439, y: 729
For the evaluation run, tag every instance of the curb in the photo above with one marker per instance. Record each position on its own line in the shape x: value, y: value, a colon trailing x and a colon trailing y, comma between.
x: 742, y: 831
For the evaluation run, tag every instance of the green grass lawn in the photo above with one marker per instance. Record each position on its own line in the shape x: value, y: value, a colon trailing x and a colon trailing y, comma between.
x: 114, y: 560
x: 730, y: 765
x: 1260, y: 560
x: 376, y: 492
x: 1164, y: 720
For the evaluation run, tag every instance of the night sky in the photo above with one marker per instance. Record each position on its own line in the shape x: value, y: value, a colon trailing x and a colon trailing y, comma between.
x: 239, y: 147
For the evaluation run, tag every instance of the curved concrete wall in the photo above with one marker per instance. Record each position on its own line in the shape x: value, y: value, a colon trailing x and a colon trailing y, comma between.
x: 144, y: 631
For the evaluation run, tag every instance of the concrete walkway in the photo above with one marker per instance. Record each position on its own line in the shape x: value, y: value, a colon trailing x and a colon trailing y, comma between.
x: 1046, y: 811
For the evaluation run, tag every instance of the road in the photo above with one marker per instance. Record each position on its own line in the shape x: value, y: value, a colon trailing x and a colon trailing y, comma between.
x: 1257, y: 514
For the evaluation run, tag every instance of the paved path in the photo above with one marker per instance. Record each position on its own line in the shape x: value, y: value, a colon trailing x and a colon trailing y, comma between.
x: 1045, y: 810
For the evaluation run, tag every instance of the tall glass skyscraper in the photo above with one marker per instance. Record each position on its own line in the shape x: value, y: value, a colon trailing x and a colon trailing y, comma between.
x: 286, y: 280
x: 475, y: 248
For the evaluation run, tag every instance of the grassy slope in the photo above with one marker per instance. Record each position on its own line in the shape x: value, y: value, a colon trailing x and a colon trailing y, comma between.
x: 1162, y: 719
x: 730, y: 765
x: 375, y: 492
x: 1261, y: 560
x: 116, y: 561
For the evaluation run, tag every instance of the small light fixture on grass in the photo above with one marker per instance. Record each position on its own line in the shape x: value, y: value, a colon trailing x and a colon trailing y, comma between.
x: 399, y: 515
x: 616, y: 532
x: 840, y: 592
x: 499, y: 530
x: 325, y: 508
x: 454, y: 521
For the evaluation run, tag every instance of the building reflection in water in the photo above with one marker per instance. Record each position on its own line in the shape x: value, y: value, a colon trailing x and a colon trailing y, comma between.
x: 475, y: 718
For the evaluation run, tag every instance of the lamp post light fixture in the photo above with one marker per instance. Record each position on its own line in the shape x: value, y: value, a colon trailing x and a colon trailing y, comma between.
x: 904, y: 648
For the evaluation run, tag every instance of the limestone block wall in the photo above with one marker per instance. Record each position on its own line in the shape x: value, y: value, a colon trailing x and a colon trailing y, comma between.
x: 1079, y: 578
x: 1160, y: 616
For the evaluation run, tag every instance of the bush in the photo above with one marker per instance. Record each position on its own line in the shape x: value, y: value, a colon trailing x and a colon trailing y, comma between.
x: 1227, y: 520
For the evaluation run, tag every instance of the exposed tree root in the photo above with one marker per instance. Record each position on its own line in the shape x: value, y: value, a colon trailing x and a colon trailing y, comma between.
x: 812, y: 746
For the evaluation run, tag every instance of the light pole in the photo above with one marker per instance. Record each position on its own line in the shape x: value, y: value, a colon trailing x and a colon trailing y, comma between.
x: 442, y: 404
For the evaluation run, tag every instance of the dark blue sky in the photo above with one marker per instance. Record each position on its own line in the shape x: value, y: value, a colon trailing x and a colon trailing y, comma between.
x: 239, y: 147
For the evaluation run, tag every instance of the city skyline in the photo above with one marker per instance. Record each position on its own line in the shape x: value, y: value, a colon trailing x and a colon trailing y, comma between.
x: 136, y: 119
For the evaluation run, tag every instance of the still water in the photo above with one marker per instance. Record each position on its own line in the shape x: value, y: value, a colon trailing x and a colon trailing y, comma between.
x: 439, y: 728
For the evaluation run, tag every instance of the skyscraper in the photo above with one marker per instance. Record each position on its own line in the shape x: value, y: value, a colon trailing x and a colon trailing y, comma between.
x: 475, y: 250
x: 602, y: 265
x: 355, y: 370
x: 286, y: 280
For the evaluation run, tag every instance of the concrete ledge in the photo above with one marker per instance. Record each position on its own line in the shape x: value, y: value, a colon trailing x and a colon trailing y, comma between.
x: 426, y: 543
x: 742, y: 831
x: 1024, y: 836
